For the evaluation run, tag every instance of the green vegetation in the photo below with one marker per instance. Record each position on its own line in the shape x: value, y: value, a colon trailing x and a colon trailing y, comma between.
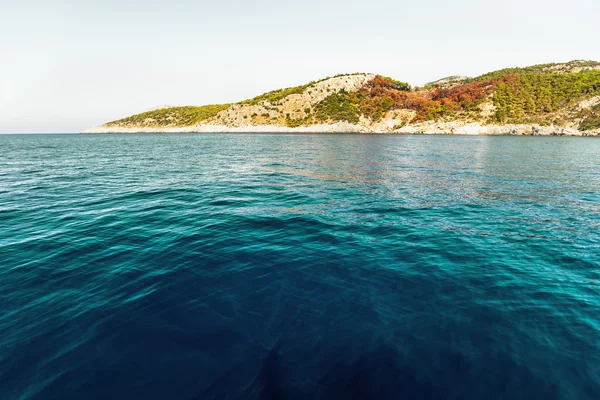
x: 529, y: 98
x: 337, y: 107
x: 539, y: 69
x: 590, y: 118
x: 376, y: 106
x: 397, y: 85
x: 172, y: 116
x: 275, y: 95
x: 294, y: 122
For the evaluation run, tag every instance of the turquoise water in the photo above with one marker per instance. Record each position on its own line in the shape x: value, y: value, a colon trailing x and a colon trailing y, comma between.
x: 299, y: 266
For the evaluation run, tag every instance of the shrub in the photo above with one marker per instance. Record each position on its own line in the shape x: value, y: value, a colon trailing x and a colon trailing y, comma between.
x: 337, y: 107
x: 590, y: 119
x: 382, y: 94
x: 529, y: 97
x: 275, y: 96
x: 172, y: 116
x: 293, y: 123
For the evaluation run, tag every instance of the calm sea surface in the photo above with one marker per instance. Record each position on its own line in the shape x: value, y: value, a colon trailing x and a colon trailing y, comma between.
x: 299, y: 266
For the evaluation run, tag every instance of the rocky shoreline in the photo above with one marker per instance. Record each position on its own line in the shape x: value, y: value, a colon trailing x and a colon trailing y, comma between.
x: 438, y: 128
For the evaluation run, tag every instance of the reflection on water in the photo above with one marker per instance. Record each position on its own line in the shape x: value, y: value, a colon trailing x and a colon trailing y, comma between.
x: 299, y: 266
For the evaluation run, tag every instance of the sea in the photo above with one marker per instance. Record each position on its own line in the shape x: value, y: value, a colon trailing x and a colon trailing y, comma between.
x: 299, y: 266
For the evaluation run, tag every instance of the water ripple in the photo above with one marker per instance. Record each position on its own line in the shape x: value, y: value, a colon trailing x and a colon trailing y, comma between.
x: 299, y: 266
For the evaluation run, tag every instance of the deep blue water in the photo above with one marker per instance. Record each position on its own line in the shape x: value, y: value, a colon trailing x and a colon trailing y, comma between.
x: 299, y: 266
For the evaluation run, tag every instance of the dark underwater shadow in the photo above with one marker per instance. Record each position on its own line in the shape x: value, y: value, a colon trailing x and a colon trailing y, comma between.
x: 268, y: 384
x: 384, y: 374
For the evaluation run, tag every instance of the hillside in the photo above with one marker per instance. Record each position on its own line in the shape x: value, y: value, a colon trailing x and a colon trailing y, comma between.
x: 552, y: 99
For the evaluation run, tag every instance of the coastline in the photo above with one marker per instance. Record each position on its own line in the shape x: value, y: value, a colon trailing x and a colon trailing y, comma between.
x: 436, y: 128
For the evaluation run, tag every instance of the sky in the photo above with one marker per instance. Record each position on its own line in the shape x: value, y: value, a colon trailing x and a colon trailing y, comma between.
x: 66, y: 66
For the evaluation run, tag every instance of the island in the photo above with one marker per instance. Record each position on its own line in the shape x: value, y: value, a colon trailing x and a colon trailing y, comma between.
x: 546, y: 99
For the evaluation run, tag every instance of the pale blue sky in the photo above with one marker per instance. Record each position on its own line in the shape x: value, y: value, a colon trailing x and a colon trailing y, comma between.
x: 70, y: 65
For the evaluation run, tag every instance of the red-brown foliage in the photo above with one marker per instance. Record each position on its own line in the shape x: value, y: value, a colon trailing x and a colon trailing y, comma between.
x: 380, y: 95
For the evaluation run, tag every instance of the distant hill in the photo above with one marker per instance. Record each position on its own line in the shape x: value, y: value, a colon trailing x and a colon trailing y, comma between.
x: 449, y: 80
x: 553, y: 99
